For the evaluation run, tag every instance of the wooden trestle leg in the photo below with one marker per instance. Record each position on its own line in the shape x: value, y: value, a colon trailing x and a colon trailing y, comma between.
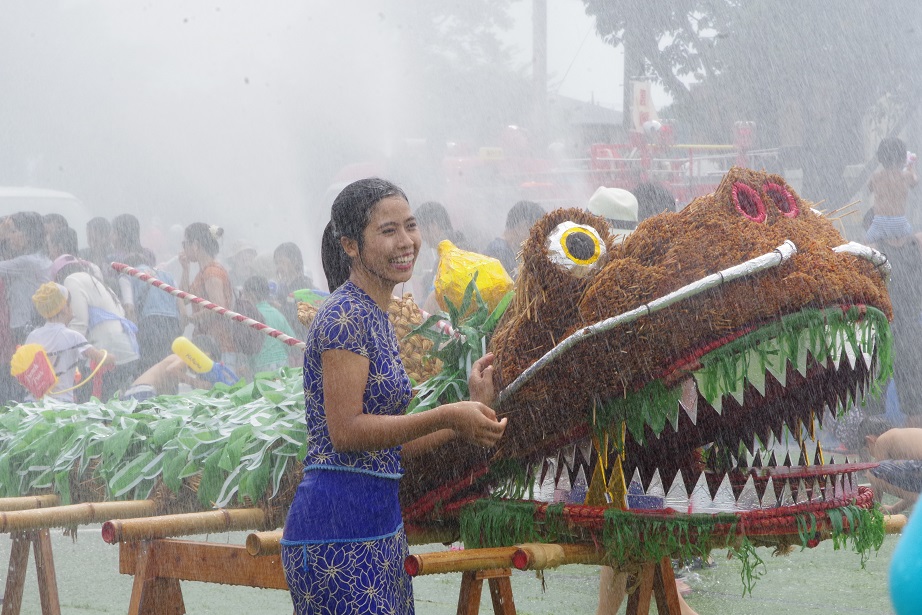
x: 500, y: 591
x: 40, y: 541
x: 656, y: 581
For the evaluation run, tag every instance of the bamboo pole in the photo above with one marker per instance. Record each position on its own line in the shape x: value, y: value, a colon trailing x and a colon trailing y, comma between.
x: 260, y: 544
x: 74, y: 514
x: 28, y: 502
x: 165, y: 526
x: 536, y: 556
x: 459, y: 561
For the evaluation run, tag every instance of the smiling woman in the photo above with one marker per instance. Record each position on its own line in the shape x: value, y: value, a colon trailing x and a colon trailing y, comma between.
x: 344, y: 544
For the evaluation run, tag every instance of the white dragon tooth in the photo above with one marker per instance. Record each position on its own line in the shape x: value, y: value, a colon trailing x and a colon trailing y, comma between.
x: 544, y: 491
x: 724, y: 500
x: 692, y: 412
x: 677, y: 496
x: 749, y: 497
x: 769, y: 499
x: 868, y: 359
x: 756, y: 377
x: 700, y: 499
x: 655, y: 488
x: 802, y: 497
x: 778, y: 372
x: 851, y: 354
x: 738, y: 394
x: 786, y: 499
x: 568, y: 455
x: 835, y: 354
x: 585, y: 447
x: 636, y: 484
x: 802, y: 353
x: 840, y: 486
x: 718, y: 405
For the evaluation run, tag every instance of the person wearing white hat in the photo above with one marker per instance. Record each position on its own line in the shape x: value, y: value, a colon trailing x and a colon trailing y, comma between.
x: 616, y: 205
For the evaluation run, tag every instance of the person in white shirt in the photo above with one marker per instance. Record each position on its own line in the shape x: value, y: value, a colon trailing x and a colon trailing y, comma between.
x: 64, y: 346
x: 99, y: 316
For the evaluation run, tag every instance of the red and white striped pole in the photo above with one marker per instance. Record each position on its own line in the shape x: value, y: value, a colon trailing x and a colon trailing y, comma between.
x: 144, y: 277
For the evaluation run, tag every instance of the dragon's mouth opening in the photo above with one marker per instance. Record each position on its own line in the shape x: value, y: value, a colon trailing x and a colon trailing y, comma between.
x: 740, y: 434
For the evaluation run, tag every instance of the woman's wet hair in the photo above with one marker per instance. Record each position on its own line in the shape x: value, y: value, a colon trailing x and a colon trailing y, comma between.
x: 349, y: 216
x: 32, y: 227
x: 205, y: 236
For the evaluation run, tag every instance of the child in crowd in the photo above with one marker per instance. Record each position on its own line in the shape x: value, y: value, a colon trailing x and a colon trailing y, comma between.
x: 273, y: 354
x: 890, y: 187
x: 64, y: 347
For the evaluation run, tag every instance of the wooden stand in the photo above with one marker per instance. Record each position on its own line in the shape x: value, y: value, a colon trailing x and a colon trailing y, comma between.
x: 159, y: 565
x: 40, y: 540
x: 500, y: 591
x: 656, y: 581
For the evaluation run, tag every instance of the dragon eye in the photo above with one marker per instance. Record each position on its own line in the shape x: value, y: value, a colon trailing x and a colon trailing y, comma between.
x: 782, y: 198
x: 748, y: 202
x: 575, y: 247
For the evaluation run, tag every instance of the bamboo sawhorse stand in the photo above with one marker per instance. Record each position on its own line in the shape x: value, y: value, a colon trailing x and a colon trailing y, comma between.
x: 40, y: 541
x: 500, y: 591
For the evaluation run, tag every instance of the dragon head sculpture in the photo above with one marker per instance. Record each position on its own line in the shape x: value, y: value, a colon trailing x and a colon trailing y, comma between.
x: 681, y: 356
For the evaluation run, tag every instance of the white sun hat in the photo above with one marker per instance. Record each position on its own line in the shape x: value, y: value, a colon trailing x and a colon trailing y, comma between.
x: 614, y: 204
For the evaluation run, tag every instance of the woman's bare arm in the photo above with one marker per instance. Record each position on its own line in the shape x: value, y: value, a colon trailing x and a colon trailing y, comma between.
x: 345, y: 376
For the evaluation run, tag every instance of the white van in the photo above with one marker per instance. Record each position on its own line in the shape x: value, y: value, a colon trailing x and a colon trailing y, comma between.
x: 42, y: 201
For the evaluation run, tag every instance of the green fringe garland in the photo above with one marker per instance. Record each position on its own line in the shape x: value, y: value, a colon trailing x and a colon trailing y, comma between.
x: 632, y: 538
x: 820, y: 333
x: 750, y: 571
x: 865, y: 530
x: 653, y: 405
x: 498, y: 523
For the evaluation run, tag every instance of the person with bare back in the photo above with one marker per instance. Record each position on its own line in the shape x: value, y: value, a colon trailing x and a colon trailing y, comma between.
x: 890, y: 186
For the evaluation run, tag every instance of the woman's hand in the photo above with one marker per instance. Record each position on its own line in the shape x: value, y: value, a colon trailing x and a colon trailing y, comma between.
x: 476, y: 423
x: 480, y: 382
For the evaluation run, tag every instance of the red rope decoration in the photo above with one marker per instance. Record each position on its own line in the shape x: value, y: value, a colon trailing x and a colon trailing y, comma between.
x: 782, y: 198
x: 746, y: 200
x: 425, y: 505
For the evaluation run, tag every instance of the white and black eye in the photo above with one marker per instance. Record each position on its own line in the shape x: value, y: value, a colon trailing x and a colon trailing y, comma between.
x: 575, y: 247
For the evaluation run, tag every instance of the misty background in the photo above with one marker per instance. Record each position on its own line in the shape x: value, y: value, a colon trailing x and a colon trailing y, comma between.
x: 251, y: 115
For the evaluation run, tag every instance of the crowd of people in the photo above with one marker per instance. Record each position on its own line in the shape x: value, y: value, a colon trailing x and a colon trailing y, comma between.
x: 106, y: 333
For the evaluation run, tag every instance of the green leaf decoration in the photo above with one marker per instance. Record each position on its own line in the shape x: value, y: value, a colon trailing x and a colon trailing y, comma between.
x: 240, y: 440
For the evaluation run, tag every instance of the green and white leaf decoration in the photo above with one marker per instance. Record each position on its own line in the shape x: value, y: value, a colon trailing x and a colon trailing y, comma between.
x: 241, y: 439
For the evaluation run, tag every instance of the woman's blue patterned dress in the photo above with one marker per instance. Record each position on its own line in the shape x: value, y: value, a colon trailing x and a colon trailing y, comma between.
x: 344, y: 545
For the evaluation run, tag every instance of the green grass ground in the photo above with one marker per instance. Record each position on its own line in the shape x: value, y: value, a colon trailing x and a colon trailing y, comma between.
x: 813, y: 581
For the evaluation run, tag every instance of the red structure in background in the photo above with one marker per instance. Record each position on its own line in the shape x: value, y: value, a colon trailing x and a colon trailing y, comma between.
x: 495, y: 175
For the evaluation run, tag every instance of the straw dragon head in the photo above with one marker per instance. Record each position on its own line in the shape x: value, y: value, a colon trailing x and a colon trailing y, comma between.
x: 682, y: 355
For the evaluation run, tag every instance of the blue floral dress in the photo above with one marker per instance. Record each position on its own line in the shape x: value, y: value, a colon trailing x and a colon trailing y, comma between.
x: 343, y: 546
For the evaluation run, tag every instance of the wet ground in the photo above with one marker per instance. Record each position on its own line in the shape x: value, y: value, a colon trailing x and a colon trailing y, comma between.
x: 813, y: 581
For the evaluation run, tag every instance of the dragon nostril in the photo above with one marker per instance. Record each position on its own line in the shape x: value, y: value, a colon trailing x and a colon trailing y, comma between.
x: 748, y: 202
x: 782, y: 199
x: 581, y: 246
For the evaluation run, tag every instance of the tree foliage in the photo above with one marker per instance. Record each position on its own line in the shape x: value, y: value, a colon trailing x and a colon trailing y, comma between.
x: 806, y: 72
